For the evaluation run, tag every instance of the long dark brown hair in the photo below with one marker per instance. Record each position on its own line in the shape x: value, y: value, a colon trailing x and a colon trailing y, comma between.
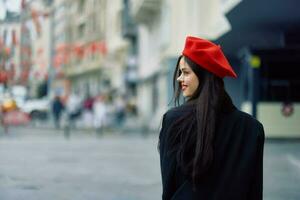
x: 193, y: 139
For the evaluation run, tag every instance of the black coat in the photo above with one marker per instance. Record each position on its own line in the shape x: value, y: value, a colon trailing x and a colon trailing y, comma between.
x: 237, y: 170
x: 57, y: 107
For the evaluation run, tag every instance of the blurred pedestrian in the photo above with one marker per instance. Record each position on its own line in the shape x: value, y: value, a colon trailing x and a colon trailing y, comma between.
x: 208, y: 148
x: 74, y: 109
x: 2, y: 121
x: 57, y: 108
x: 120, y: 107
x: 88, y: 111
x: 100, y: 114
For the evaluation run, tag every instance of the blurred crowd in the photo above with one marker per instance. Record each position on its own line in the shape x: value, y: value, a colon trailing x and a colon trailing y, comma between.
x: 103, y: 111
x: 98, y: 112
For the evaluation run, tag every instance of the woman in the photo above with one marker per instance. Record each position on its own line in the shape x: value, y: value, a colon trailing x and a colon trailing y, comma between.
x: 57, y: 109
x: 208, y: 148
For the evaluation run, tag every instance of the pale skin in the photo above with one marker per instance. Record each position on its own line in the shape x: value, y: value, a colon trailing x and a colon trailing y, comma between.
x: 188, y: 80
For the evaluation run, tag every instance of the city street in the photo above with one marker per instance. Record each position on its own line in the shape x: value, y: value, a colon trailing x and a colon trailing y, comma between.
x: 105, y: 72
x: 40, y: 164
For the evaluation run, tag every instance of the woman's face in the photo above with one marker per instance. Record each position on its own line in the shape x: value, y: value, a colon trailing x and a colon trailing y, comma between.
x: 187, y: 79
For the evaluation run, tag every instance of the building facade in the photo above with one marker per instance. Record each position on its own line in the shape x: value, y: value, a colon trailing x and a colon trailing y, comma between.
x: 162, y: 28
x: 89, y: 52
x: 83, y: 64
x: 38, y: 22
x: 10, y: 63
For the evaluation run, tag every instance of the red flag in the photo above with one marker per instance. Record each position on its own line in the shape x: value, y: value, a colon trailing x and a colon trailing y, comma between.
x: 3, y: 76
x: 101, y: 46
x: 58, y: 60
x: 79, y: 51
x: 61, y: 48
x: 98, y: 46
x: 35, y: 16
x: 7, y: 51
x: 93, y: 47
x: 1, y: 43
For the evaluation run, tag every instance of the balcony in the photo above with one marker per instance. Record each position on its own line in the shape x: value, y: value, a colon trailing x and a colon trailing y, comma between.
x: 144, y: 10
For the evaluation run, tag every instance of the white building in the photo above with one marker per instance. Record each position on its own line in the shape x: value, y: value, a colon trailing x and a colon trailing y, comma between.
x: 10, y: 35
x: 39, y: 24
x: 59, y: 37
x: 96, y: 49
x: 117, y: 46
x: 162, y: 28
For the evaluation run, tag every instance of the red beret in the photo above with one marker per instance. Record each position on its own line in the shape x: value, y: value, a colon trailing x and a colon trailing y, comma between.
x: 208, y: 55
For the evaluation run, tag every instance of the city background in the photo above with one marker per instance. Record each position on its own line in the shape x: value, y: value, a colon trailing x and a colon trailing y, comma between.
x: 84, y: 85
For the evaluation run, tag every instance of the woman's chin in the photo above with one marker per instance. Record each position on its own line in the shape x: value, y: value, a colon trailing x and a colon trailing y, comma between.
x: 185, y: 95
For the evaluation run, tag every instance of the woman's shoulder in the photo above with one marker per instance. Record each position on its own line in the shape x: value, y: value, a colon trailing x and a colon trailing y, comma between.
x: 172, y: 116
x: 179, y: 111
x: 245, y: 122
x: 247, y: 118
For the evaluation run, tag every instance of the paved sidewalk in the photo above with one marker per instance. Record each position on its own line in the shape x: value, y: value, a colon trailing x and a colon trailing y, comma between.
x: 42, y: 164
x: 131, y: 125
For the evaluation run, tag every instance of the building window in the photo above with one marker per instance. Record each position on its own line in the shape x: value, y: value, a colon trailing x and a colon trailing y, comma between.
x: 81, y: 30
x: 95, y: 3
x: 81, y: 5
x: 93, y: 22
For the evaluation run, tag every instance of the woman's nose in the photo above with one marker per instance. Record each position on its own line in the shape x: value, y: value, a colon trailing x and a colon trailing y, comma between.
x: 179, y: 79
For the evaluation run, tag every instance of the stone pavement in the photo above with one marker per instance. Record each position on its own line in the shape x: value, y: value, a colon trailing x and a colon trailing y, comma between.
x: 130, y: 125
x: 42, y: 164
x: 282, y: 170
